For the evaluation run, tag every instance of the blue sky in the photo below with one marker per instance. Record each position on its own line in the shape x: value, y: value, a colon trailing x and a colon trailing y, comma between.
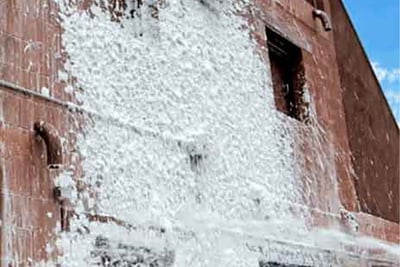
x: 377, y: 25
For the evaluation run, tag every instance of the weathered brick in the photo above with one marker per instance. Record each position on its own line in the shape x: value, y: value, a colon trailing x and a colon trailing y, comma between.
x: 11, y: 49
x: 30, y: 28
x: 3, y: 50
x: 31, y: 55
x: 44, y: 81
x: 26, y: 113
x: 3, y: 68
x: 3, y: 150
x: 45, y: 63
x: 22, y: 247
x: 11, y: 106
x: 14, y: 19
x: 41, y: 112
x: 12, y: 74
x: 58, y: 90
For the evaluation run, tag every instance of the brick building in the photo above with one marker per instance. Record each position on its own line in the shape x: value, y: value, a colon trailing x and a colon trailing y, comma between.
x: 310, y: 49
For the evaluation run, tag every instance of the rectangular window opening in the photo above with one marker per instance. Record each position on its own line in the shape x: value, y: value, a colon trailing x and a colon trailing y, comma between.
x: 287, y: 74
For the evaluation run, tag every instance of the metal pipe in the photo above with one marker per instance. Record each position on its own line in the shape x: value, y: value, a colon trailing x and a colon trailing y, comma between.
x: 28, y: 92
x: 78, y: 109
x: 326, y: 22
x: 50, y: 136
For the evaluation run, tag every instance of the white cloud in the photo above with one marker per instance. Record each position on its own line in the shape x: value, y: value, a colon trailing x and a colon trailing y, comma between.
x: 393, y: 96
x: 390, y: 81
x: 384, y: 74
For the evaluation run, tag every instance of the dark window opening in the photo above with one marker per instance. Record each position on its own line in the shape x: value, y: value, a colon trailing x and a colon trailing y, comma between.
x: 318, y: 4
x: 48, y: 133
x: 287, y: 75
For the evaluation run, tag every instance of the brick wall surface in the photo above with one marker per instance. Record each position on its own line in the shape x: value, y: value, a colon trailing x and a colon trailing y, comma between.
x: 372, y: 130
x: 31, y: 56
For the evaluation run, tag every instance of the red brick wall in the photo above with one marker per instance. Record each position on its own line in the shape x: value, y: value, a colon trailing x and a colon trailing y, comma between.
x: 372, y: 130
x: 27, y: 186
x: 324, y: 77
x: 30, y: 39
x: 30, y: 56
x: 294, y: 19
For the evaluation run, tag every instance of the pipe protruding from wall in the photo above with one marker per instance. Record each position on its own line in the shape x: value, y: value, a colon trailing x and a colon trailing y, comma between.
x: 325, y: 20
x: 50, y: 136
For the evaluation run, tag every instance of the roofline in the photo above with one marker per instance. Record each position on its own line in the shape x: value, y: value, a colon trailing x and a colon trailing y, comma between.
x: 369, y: 62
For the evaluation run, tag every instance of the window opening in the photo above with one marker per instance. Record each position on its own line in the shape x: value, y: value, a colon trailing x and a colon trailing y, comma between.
x: 287, y: 75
